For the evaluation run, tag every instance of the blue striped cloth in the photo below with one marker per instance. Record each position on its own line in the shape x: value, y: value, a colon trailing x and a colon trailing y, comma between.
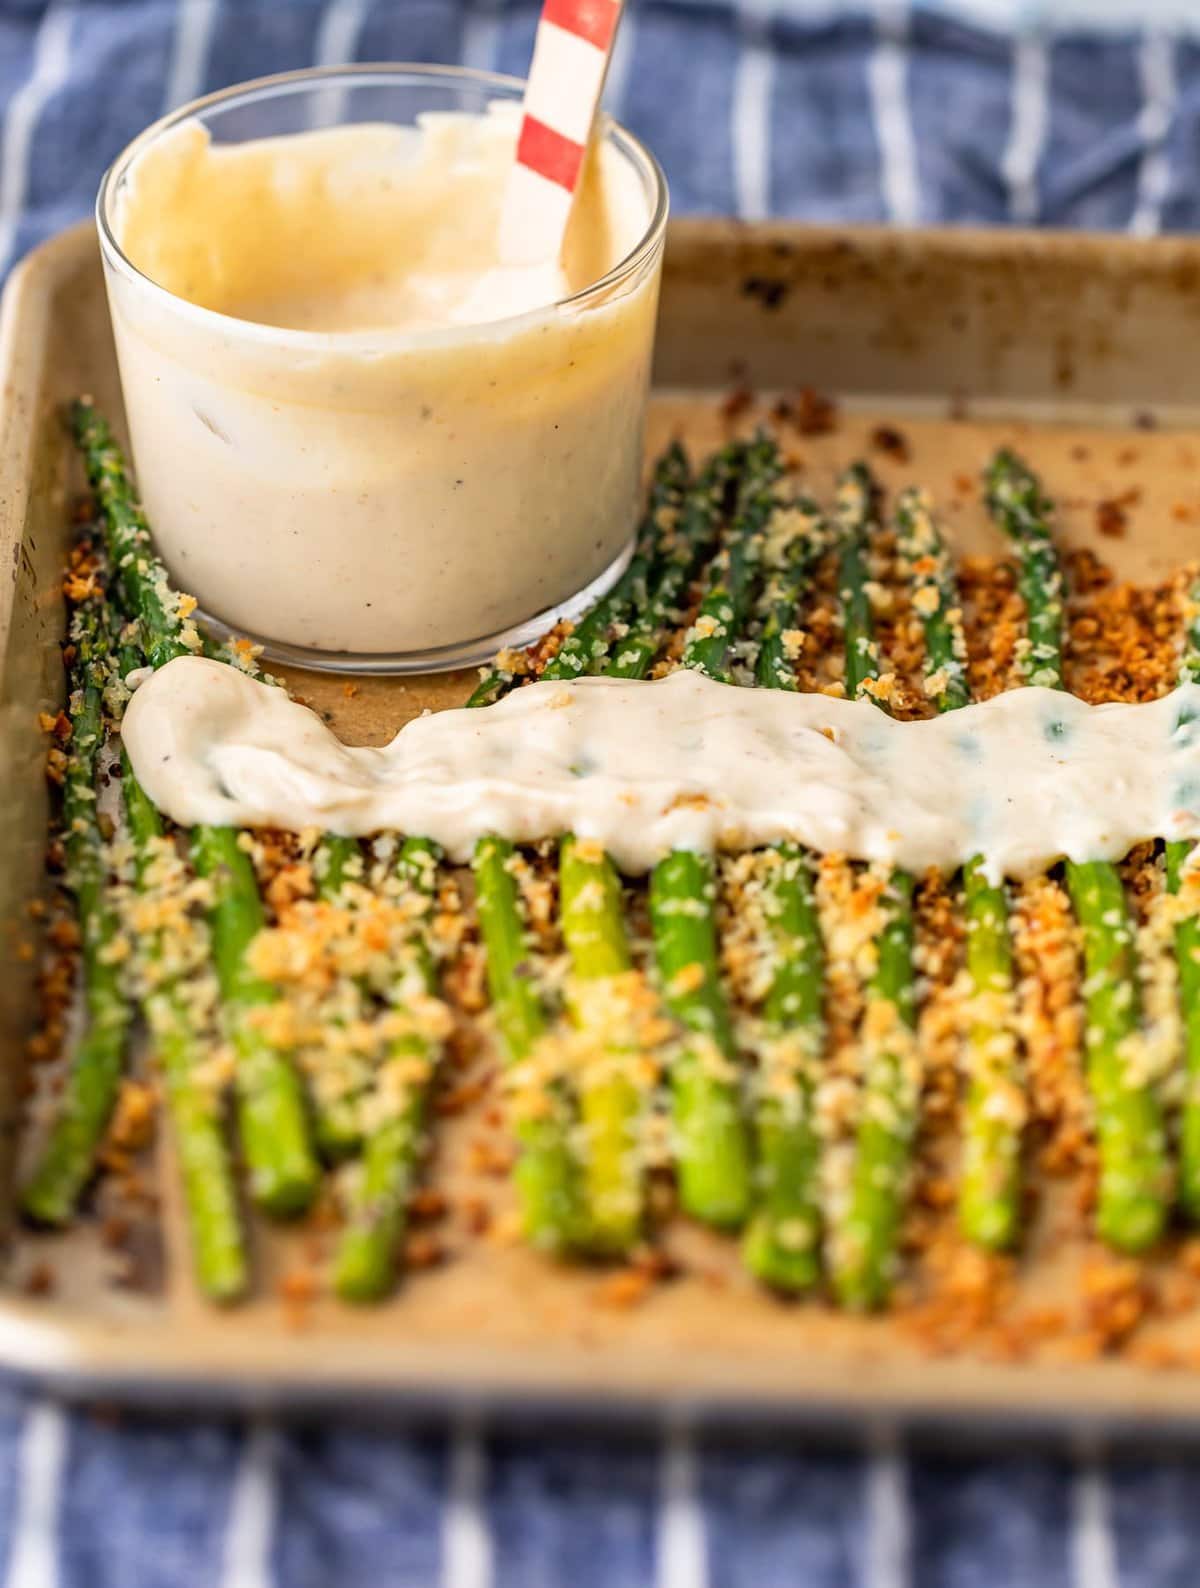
x: 1072, y: 114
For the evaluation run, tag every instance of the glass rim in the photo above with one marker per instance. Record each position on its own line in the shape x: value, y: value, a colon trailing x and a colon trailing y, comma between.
x: 644, y: 161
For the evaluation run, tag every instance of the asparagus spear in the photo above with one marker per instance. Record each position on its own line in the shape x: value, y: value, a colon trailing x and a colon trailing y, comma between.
x: 699, y: 525
x: 590, y: 642
x: 271, y: 1110
x: 935, y: 599
x: 1019, y: 506
x: 335, y: 1113
x: 546, y: 1177
x: 711, y: 1148
x: 67, y: 1157
x: 1135, y: 1181
x: 1187, y: 955
x: 865, y: 1241
x: 990, y: 1186
x: 804, y: 538
x: 734, y: 572
x: 782, y: 1243
x: 611, y: 1101
x: 549, y: 1191
x: 856, y: 518
x: 142, y: 581
x: 365, y: 1261
x: 712, y: 1145
x: 592, y: 636
x: 195, y: 1103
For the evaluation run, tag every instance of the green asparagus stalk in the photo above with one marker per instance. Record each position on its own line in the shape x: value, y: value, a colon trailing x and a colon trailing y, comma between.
x: 734, y: 572
x: 711, y: 1147
x: 336, y: 1121
x: 67, y: 1158
x: 866, y: 1246
x: 712, y: 1144
x: 865, y: 1240
x: 196, y: 1104
x: 611, y: 1100
x: 1187, y: 955
x: 935, y: 598
x: 805, y: 538
x: 1135, y: 1180
x: 699, y: 525
x: 271, y: 1110
x: 364, y: 1265
x: 856, y: 518
x: 591, y: 640
x: 782, y: 1242
x: 142, y: 581
x: 989, y: 1203
x: 546, y: 1175
x: 1024, y: 513
x: 592, y: 636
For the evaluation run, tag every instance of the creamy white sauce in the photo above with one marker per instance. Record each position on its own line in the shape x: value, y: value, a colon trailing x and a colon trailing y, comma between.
x: 1024, y: 779
x: 356, y: 428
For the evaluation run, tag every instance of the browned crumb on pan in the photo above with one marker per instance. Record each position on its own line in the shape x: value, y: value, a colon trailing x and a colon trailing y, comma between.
x: 1112, y: 514
x: 737, y: 403
x: 821, y: 664
x: 743, y: 928
x: 892, y: 443
x: 938, y: 958
x: 55, y: 984
x: 1047, y: 949
x: 898, y: 629
x: 962, y: 1298
x: 814, y: 414
x: 1122, y: 640
x: 1116, y: 1296
x: 298, y: 1290
x: 994, y: 621
x: 41, y: 1280
x: 940, y: 942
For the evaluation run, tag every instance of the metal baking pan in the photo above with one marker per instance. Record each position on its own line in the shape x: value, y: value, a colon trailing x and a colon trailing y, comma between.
x: 1080, y: 348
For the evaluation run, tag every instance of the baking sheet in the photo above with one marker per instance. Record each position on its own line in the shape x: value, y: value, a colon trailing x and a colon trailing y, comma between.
x: 951, y: 335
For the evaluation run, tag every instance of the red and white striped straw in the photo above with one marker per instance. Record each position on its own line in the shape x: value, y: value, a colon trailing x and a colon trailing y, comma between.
x: 566, y: 78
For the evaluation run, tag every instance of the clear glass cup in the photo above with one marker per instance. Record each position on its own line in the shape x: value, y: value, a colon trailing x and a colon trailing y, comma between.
x: 385, y: 500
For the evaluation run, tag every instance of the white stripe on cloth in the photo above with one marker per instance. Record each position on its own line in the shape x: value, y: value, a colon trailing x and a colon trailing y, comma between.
x: 1073, y: 16
x: 250, y: 1531
x: 1156, y: 65
x: 481, y: 35
x: 466, y: 1541
x: 339, y: 31
x: 1027, y: 128
x: 189, y: 54
x: 41, y: 1458
x: 887, y: 77
x: 51, y: 63
x: 1093, y: 1549
x: 681, y: 1555
x: 889, y: 1534
x: 751, y: 111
